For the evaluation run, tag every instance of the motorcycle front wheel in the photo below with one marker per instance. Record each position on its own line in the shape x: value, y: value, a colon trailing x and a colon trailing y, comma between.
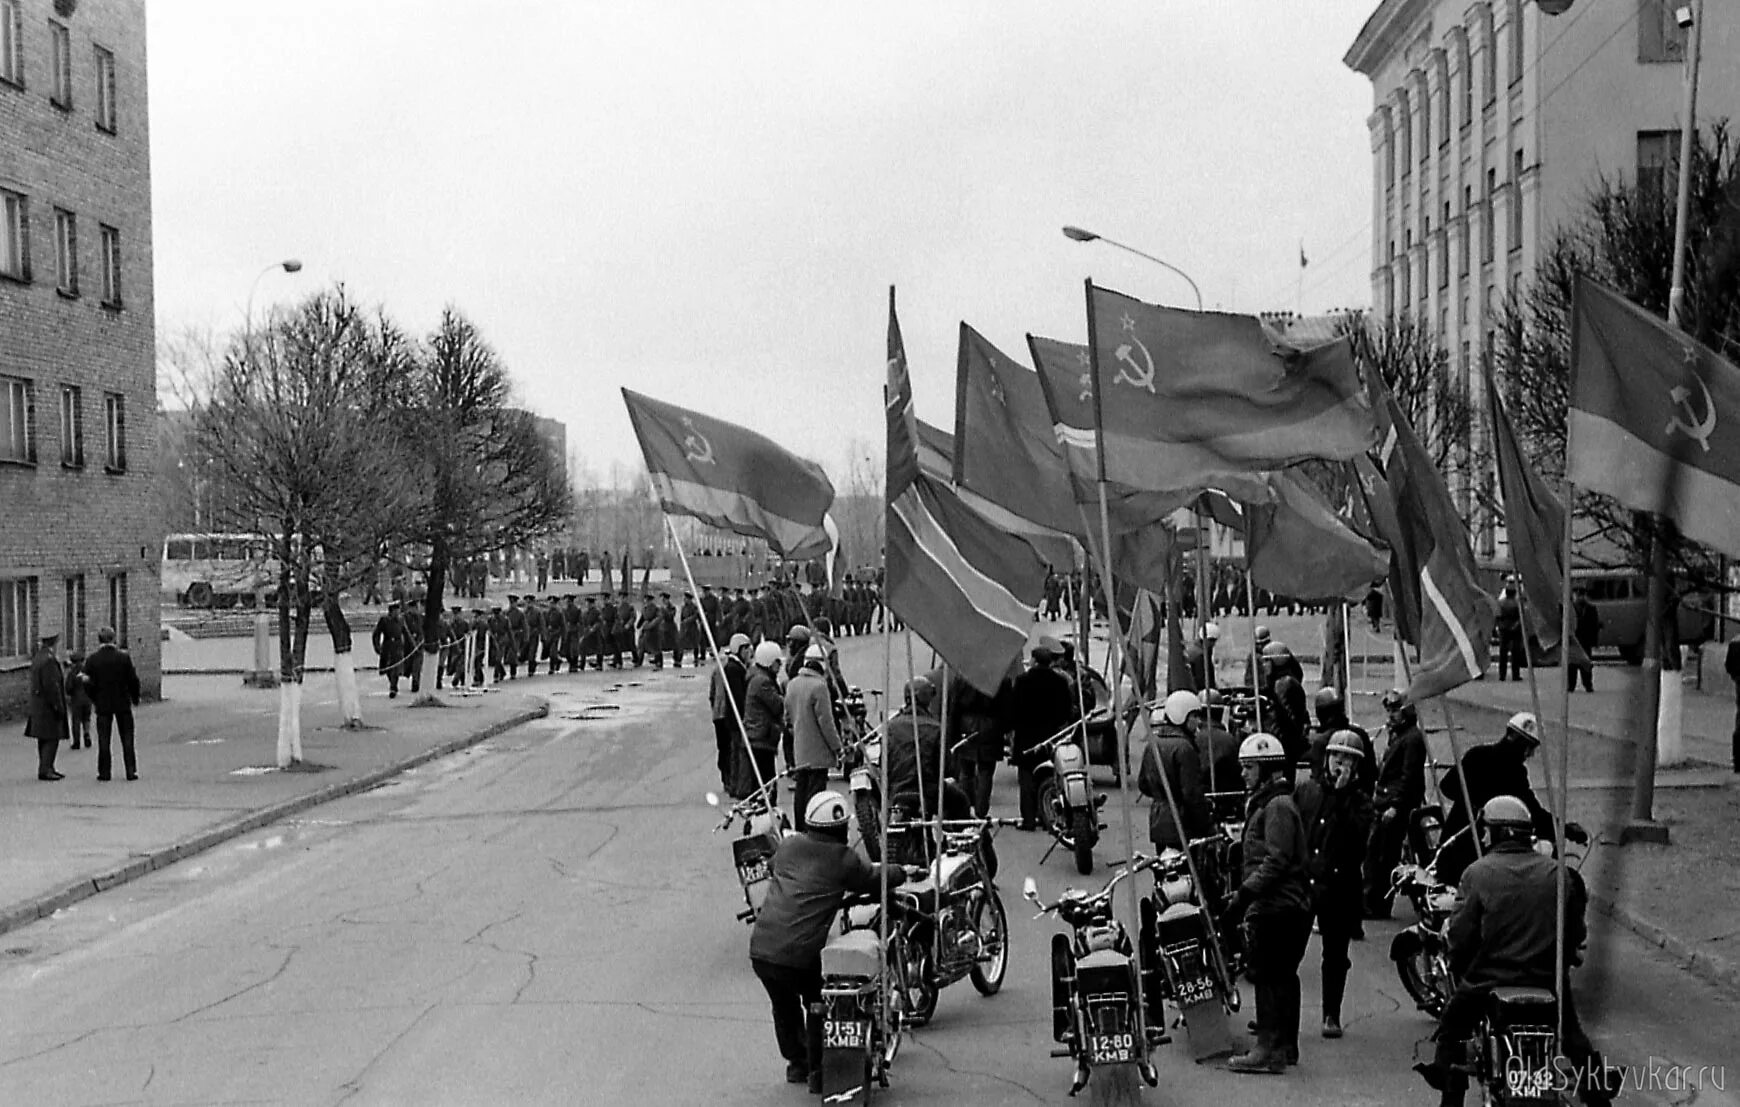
x: 1051, y: 810
x: 1082, y: 834
x: 992, y: 923
x: 868, y: 809
x: 1426, y: 979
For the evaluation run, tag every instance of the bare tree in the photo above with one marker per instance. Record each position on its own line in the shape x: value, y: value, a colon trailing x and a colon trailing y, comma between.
x: 291, y: 424
x: 1623, y: 236
x: 488, y: 481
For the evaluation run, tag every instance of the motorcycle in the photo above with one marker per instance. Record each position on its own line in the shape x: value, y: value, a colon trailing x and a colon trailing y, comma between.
x: 1421, y: 951
x: 1093, y: 983
x: 764, y: 827
x: 1067, y: 805
x: 850, y: 715
x: 958, y: 897
x: 860, y: 1033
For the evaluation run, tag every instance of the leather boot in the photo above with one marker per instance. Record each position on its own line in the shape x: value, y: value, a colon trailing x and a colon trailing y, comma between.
x: 1262, y: 1057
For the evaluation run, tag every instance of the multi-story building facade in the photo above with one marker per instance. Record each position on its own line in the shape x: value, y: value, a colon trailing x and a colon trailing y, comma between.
x: 80, y: 545
x: 1493, y: 119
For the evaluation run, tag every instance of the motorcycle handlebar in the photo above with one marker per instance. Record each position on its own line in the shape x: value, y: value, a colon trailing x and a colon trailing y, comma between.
x: 1139, y: 863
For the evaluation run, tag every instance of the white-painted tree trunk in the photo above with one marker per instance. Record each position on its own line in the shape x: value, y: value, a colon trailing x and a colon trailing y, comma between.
x: 289, y: 722
x: 349, y: 698
x: 1670, y: 721
x: 431, y: 663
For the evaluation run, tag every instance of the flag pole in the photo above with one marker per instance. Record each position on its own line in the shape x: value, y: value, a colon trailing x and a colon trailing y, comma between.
x: 941, y: 779
x: 882, y: 768
x: 1251, y: 625
x: 1462, y: 784
x: 718, y: 660
x: 1407, y: 682
x: 1564, y: 751
x: 1202, y: 595
x: 1535, y: 702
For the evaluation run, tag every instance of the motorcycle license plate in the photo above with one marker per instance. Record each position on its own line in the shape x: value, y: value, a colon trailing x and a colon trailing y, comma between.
x: 1192, y: 992
x: 755, y: 871
x: 1111, y: 1049
x: 843, y: 1033
x: 1525, y: 1082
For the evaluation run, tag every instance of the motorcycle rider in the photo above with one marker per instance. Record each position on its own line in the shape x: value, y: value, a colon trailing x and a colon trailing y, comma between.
x: 1401, y: 789
x: 810, y: 874
x: 763, y: 720
x: 1275, y: 899
x: 1254, y: 673
x: 1503, y: 933
x: 727, y: 696
x: 1337, y: 815
x: 797, y: 640
x: 1217, y: 751
x: 1292, y: 722
x: 1172, y: 750
x: 1498, y: 768
x: 1332, y: 717
x: 1041, y: 703
x: 977, y: 723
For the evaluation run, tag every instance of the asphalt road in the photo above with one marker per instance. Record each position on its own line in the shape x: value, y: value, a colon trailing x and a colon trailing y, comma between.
x: 546, y: 919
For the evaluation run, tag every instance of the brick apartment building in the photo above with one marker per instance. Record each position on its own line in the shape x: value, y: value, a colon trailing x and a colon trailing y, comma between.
x: 80, y: 542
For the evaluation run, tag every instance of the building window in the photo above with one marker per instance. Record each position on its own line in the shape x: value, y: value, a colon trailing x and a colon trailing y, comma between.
x: 118, y: 607
x: 60, y: 53
x: 1516, y: 42
x: 114, y: 432
x: 72, y: 426
x: 111, y: 253
x: 1658, y: 153
x: 1405, y: 132
x: 1486, y: 228
x: 1516, y: 212
x: 1444, y: 251
x: 66, y: 252
x: 1425, y: 129
x: 17, y: 617
x: 17, y: 420
x: 12, y: 42
x: 1467, y: 228
x: 106, y: 113
x: 1489, y: 59
x: 1467, y: 77
x: 1443, y: 106
x: 73, y: 614
x: 1660, y: 38
x: 14, y: 236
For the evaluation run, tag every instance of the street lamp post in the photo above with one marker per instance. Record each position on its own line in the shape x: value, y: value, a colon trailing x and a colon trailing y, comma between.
x: 1079, y: 235
x: 263, y: 675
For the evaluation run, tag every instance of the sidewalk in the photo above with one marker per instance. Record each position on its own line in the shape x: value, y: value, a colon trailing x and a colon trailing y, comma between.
x: 1683, y: 897
x: 206, y: 757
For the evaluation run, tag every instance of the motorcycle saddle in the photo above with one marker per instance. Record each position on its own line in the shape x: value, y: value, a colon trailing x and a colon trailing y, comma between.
x: 1101, y: 959
x: 854, y: 953
x: 919, y: 893
x: 1524, y: 1004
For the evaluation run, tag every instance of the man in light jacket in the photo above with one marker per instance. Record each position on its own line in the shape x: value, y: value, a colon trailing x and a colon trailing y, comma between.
x: 809, y: 714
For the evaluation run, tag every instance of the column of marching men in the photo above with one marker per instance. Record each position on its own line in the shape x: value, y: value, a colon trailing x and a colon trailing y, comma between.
x: 482, y: 645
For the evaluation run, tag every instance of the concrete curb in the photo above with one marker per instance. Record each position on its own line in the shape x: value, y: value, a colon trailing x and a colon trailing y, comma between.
x: 22, y: 914
x: 1709, y: 967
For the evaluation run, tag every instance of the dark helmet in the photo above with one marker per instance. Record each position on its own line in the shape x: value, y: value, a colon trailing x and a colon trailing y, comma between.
x: 1503, y: 817
x: 798, y: 633
x: 1327, y: 699
x: 1401, y: 710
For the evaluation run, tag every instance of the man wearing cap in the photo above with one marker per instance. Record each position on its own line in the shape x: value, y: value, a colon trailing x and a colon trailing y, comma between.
x: 389, y: 643
x: 649, y: 632
x: 1040, y: 705
x: 726, y: 694
x: 514, y: 643
x: 689, y: 637
x: 458, y: 634
x: 710, y: 618
x: 532, y: 635
x: 670, y: 634
x: 114, y: 694
x: 1498, y: 768
x: 47, y: 719
x: 1253, y: 666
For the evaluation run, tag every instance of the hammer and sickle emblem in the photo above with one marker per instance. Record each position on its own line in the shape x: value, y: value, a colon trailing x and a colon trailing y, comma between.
x: 1694, y: 428
x: 696, y: 448
x: 1087, y: 387
x: 1129, y: 372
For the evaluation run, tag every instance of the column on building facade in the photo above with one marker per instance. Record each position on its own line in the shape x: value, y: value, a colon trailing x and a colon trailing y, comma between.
x: 1381, y: 199
x: 1402, y: 234
x: 1419, y: 198
x: 1437, y: 91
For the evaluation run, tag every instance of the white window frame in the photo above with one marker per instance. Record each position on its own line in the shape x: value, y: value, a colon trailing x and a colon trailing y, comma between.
x: 74, y: 617
x: 14, y: 235
x: 110, y: 238
x: 72, y: 426
x: 118, y: 607
x: 115, y: 432
x: 105, y: 77
x: 17, y: 617
x: 12, y: 42
x: 18, y: 420
x: 66, y: 252
x: 60, y: 65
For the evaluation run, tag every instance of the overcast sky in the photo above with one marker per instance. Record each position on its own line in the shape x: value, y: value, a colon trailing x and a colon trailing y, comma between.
x: 707, y: 201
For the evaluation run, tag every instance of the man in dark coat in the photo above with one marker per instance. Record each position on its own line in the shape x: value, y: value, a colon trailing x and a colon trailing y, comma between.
x: 412, y: 666
x: 581, y: 624
x: 456, y: 641
x: 690, y: 640
x: 114, y: 693
x: 1337, y: 816
x: 47, y: 719
x: 710, y: 614
x: 500, y: 643
x: 649, y: 633
x: 726, y: 694
x: 608, y: 639
x: 1731, y: 662
x: 389, y: 643
x: 1172, y: 751
x: 513, y: 643
x: 1498, y: 768
x: 532, y: 635
x: 670, y: 634
x: 1587, y: 626
x: 1510, y: 632
x: 1040, y: 705
x: 742, y: 615
x: 1399, y: 792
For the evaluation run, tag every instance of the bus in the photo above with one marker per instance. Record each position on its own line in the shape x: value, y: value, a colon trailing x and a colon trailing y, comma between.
x: 218, y: 570
x: 1619, y: 596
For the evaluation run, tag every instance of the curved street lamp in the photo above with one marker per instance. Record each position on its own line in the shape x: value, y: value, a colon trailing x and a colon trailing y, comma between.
x: 1078, y: 235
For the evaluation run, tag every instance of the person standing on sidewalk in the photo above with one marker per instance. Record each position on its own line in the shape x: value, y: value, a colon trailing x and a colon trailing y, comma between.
x: 114, y: 693
x: 1732, y: 664
x: 1040, y: 706
x: 78, y: 700
x: 1401, y: 789
x: 1510, y: 632
x: 1337, y: 815
x: 389, y: 643
x: 1275, y: 900
x: 809, y: 714
x: 47, y: 720
x: 1587, y: 622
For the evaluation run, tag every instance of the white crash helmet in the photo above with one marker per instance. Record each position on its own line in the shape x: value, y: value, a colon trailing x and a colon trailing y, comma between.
x: 1261, y: 747
x: 826, y: 811
x: 815, y: 652
x: 767, y: 655
x: 1177, y: 708
x: 1525, y: 726
x: 1345, y: 741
